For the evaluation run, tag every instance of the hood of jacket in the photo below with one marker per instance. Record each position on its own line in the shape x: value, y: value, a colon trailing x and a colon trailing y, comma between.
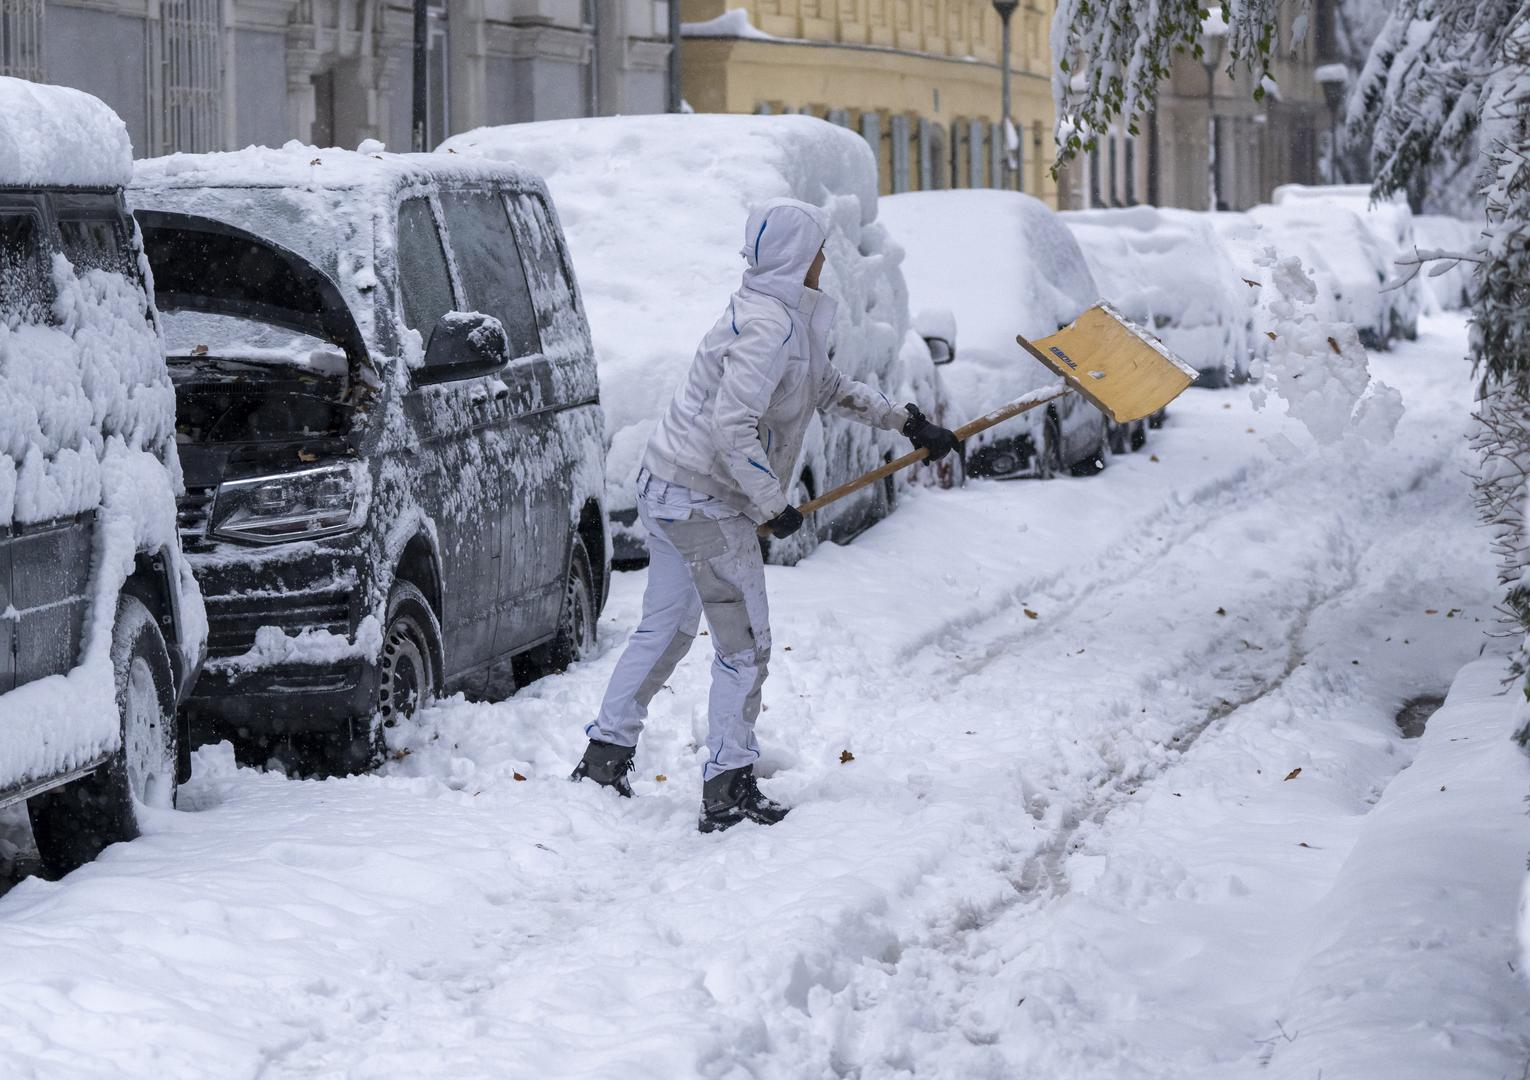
x: 781, y: 240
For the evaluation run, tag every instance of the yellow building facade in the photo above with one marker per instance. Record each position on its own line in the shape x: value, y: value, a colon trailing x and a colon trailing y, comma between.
x: 918, y: 79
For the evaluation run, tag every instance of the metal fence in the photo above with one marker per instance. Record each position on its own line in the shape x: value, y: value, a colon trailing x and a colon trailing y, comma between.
x: 190, y: 75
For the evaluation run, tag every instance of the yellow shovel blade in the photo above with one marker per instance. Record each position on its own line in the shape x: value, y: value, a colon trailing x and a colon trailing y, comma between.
x: 1125, y: 371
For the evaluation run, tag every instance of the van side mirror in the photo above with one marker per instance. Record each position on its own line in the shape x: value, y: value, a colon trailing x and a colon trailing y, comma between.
x: 463, y: 345
x: 941, y: 350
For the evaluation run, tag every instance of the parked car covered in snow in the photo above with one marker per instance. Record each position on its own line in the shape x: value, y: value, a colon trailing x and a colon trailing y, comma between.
x: 655, y: 209
x: 1004, y: 264
x: 388, y: 414
x: 1168, y: 271
x: 1390, y: 223
x: 103, y: 628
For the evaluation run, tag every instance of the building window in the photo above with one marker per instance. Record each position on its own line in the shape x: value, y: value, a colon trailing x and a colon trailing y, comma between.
x: 191, y: 75
x: 21, y: 38
x: 900, y: 155
x: 996, y: 154
x: 975, y: 154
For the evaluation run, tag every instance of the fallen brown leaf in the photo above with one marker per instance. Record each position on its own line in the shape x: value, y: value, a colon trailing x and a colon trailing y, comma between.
x: 846, y: 757
x: 1294, y: 773
x: 200, y: 350
x: 1271, y: 335
x: 1431, y: 611
x: 661, y: 778
x: 1251, y: 283
x: 1334, y: 345
x: 307, y: 455
x: 1029, y: 614
x: 1152, y: 457
x: 1221, y: 611
x: 316, y: 161
x: 516, y: 776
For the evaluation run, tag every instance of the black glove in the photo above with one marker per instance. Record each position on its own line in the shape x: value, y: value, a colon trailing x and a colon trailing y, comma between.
x: 925, y: 435
x: 785, y: 523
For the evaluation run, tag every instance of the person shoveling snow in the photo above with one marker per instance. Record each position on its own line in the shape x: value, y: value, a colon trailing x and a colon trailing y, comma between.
x: 716, y: 467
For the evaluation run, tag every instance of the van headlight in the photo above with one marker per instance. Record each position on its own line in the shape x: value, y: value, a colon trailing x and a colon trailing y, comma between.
x: 289, y: 506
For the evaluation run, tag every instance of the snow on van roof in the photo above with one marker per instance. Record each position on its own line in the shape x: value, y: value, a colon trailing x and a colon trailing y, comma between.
x: 54, y: 136
x: 297, y: 164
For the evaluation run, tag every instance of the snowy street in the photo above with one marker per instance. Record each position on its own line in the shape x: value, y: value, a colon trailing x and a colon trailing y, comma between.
x: 1093, y: 778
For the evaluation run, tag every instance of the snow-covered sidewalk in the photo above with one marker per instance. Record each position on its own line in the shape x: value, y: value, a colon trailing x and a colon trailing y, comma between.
x: 1042, y: 740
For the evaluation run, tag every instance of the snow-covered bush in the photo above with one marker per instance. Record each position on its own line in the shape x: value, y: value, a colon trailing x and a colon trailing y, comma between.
x: 654, y: 210
x: 1004, y: 264
x: 1169, y: 271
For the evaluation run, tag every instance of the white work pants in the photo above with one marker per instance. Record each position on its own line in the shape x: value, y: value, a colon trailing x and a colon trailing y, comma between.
x: 703, y: 558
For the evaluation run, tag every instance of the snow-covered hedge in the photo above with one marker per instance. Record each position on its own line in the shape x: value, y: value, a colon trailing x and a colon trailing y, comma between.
x: 654, y: 210
x: 1003, y: 264
x: 1168, y: 270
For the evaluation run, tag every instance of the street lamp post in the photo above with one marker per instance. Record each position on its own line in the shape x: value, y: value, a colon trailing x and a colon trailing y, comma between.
x: 1005, y: 8
x: 421, y: 75
x: 1334, y: 79
x: 1213, y: 37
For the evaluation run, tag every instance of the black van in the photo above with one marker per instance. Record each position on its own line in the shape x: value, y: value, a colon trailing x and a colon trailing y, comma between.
x: 101, y: 629
x: 388, y: 414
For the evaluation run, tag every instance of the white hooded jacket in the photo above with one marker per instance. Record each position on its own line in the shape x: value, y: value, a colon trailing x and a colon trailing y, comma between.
x: 735, y: 425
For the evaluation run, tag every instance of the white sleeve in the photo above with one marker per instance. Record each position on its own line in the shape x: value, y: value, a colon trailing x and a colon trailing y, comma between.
x: 843, y: 396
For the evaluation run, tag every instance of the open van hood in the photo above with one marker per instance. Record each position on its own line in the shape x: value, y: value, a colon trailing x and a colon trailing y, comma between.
x: 205, y: 265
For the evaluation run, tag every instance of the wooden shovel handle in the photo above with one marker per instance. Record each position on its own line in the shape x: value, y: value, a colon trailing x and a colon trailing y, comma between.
x: 963, y: 433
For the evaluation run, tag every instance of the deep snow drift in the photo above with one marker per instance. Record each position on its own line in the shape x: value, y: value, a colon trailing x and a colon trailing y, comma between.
x: 1093, y: 778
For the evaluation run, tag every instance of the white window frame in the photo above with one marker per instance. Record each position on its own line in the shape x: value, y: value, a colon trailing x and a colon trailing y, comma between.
x: 187, y: 81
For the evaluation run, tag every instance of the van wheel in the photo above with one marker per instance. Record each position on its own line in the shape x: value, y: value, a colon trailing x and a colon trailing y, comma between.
x: 576, y: 623
x: 408, y: 678
x: 72, y: 824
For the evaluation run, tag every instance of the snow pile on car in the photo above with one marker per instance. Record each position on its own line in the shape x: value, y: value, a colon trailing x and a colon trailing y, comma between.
x: 654, y: 210
x: 1167, y: 271
x: 87, y: 421
x: 56, y: 136
x: 1320, y: 211
x: 1003, y: 264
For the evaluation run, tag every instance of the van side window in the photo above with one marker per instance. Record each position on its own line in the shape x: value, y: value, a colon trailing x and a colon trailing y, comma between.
x: 489, y: 260
x: 552, y: 285
x: 423, y: 281
x: 97, y: 243
x: 25, y: 294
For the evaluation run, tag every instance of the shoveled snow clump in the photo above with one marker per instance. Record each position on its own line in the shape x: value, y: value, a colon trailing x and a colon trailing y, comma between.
x: 1317, y: 366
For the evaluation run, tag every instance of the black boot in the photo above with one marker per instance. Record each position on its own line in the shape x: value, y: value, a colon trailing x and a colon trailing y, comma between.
x: 608, y: 765
x: 734, y: 796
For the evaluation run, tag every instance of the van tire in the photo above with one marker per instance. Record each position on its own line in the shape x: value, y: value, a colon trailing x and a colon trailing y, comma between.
x: 74, y: 823
x: 575, y: 640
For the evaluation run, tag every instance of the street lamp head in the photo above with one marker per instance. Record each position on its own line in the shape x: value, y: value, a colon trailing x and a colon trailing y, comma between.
x: 1334, y: 79
x: 1005, y: 8
x: 1213, y: 39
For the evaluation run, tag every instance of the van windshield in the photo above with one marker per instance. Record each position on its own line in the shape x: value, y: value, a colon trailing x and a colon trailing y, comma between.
x: 191, y: 336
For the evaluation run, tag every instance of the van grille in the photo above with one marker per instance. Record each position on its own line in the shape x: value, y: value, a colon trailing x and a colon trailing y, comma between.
x: 233, y: 620
x: 192, y: 510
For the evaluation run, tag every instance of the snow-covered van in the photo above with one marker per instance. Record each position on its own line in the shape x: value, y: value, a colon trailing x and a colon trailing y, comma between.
x: 102, y: 628
x: 655, y: 209
x: 388, y: 414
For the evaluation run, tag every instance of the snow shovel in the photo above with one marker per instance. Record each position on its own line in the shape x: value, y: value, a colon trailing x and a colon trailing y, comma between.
x: 1112, y: 363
